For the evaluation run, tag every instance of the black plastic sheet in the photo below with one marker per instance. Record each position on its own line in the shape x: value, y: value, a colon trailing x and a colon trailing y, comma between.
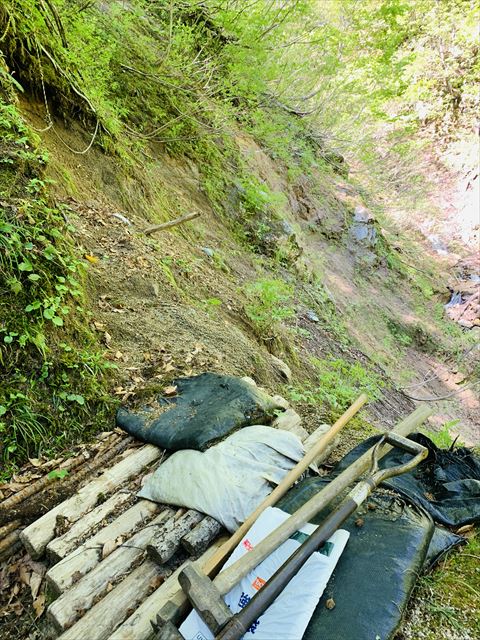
x: 373, y: 580
x: 391, y: 542
x: 446, y: 484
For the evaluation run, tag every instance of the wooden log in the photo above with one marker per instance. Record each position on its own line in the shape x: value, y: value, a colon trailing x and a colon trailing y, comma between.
x: 66, y: 609
x: 201, y: 536
x: 289, y: 420
x: 139, y: 625
x: 36, y: 536
x: 8, y: 528
x: 59, y: 547
x: 36, y: 502
x: 103, y: 618
x: 82, y: 560
x: 172, y: 223
x: 166, y: 541
x: 9, y: 544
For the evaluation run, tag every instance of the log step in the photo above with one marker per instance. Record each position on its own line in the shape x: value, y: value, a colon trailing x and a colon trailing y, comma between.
x: 86, y: 557
x: 103, y: 618
x: 80, y: 597
x: 36, y: 536
x: 84, y: 528
x: 166, y: 541
x: 201, y: 536
x: 139, y: 625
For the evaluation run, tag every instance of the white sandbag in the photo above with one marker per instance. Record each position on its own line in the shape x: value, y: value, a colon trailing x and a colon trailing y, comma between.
x: 289, y: 615
x: 229, y: 480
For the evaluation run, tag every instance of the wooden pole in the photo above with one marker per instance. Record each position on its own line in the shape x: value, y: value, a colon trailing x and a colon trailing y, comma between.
x: 171, y: 223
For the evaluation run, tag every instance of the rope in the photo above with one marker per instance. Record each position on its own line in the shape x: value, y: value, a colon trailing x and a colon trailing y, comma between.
x: 87, y: 149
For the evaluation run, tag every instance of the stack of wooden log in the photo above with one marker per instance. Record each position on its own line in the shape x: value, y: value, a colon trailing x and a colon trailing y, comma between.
x: 113, y: 559
x: 28, y: 499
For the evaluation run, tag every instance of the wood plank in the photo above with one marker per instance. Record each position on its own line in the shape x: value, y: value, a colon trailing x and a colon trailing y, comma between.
x: 139, y: 625
x: 68, y: 607
x: 83, y: 528
x: 36, y: 536
x: 82, y: 560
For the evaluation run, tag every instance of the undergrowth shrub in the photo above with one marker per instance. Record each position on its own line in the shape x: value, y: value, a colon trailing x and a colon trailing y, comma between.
x: 270, y: 303
x: 52, y: 380
x: 338, y: 383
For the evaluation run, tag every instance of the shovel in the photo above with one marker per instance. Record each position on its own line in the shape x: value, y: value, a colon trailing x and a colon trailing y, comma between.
x: 239, y: 623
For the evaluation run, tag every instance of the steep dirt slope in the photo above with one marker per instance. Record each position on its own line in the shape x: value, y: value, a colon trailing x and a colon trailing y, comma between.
x: 174, y: 303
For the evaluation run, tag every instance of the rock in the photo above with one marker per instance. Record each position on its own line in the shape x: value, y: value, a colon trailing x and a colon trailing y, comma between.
x: 122, y: 218
x: 289, y: 420
x: 363, y: 228
x: 282, y: 368
x: 280, y: 400
x: 312, y: 316
x: 155, y: 289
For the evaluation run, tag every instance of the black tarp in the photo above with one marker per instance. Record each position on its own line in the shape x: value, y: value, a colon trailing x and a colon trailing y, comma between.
x: 207, y: 407
x: 391, y: 542
x: 446, y: 484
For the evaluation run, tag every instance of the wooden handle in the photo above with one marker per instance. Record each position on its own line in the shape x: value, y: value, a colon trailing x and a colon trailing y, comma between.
x: 214, y: 563
x: 228, y: 578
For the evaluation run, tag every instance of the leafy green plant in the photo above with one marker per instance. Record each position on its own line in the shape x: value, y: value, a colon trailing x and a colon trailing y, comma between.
x: 53, y: 374
x: 337, y: 385
x: 58, y: 474
x: 443, y: 438
x: 270, y: 303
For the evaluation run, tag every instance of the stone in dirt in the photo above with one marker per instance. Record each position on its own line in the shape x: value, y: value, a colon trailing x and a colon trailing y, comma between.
x: 207, y: 407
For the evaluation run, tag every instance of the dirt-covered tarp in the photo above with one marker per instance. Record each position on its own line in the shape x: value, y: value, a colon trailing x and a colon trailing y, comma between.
x: 205, y: 408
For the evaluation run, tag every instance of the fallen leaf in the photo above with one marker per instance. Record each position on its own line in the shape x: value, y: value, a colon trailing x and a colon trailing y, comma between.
x: 170, y: 391
x: 35, y: 582
x: 109, y: 587
x: 35, y: 462
x: 39, y: 605
x: 36, y: 567
x: 155, y: 582
x: 24, y: 575
x: 91, y: 259
x: 108, y: 337
x: 76, y: 576
x: 108, y: 547
x: 465, y: 529
x: 168, y: 367
x: 330, y: 603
